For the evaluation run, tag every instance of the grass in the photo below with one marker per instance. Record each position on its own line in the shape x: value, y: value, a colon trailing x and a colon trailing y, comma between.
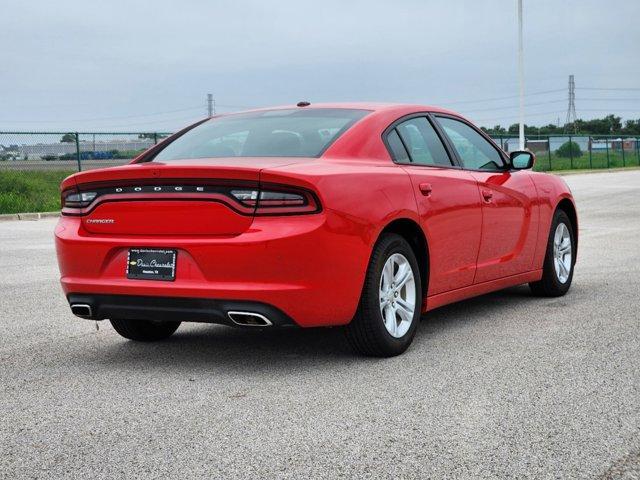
x: 30, y: 191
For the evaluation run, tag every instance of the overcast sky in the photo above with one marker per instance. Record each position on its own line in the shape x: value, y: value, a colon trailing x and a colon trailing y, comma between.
x: 132, y: 65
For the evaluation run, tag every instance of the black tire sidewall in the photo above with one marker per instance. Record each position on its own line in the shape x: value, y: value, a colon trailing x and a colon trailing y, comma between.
x: 389, y: 245
x: 550, y: 271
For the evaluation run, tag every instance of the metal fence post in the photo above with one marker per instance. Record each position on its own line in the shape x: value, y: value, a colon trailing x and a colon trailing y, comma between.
x: 638, y: 152
x: 78, y: 151
x: 549, y: 151
x: 622, y: 148
x: 155, y: 138
x: 590, y: 145
x: 570, y: 152
x: 606, y: 144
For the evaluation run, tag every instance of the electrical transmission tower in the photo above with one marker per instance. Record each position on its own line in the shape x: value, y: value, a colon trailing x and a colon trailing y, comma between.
x: 571, y: 111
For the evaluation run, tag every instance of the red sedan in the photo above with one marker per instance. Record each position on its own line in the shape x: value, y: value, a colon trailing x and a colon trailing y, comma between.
x: 361, y: 215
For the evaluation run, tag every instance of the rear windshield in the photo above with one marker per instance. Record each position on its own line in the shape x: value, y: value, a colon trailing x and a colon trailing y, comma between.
x: 271, y: 133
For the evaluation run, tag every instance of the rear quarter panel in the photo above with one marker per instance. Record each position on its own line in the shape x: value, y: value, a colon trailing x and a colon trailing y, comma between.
x: 358, y: 199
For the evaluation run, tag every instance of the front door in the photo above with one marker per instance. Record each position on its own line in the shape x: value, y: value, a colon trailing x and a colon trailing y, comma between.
x: 509, y: 227
x: 508, y: 233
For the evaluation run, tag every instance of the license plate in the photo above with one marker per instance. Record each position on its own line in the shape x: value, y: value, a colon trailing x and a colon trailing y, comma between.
x: 151, y: 264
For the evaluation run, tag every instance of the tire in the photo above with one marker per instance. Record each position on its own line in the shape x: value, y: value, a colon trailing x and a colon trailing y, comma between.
x: 553, y: 282
x: 367, y: 333
x: 144, y: 330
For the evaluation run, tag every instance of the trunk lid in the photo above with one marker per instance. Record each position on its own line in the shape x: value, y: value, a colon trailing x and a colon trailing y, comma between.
x: 185, y: 197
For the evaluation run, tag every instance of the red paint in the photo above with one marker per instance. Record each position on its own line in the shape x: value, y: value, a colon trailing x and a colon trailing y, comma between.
x: 485, y: 230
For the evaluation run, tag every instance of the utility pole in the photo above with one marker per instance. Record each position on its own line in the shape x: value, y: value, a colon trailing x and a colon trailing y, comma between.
x: 210, y: 105
x: 520, y: 77
x: 571, y: 110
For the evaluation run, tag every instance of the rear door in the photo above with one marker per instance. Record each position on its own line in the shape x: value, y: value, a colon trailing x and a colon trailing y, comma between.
x: 509, y: 227
x: 447, y: 198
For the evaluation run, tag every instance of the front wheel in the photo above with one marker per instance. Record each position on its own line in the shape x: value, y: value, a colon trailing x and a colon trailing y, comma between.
x: 144, y: 330
x: 391, y: 301
x: 557, y: 271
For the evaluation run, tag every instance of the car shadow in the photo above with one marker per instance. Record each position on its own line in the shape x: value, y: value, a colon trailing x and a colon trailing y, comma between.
x: 199, y: 346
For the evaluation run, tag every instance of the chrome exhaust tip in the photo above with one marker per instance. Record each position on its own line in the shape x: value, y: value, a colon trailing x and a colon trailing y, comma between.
x: 249, y: 319
x: 81, y: 310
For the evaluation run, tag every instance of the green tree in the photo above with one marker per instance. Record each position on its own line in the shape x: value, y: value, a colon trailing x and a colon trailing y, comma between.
x: 68, y: 138
x: 569, y: 149
x: 631, y: 127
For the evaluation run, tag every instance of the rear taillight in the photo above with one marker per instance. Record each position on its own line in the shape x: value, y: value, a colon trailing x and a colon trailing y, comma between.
x: 276, y: 201
x: 73, y: 199
x: 269, y: 199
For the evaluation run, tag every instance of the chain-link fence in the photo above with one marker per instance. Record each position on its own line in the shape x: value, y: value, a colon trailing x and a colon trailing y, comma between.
x: 71, y: 151
x: 32, y: 165
x: 569, y: 152
x: 29, y: 151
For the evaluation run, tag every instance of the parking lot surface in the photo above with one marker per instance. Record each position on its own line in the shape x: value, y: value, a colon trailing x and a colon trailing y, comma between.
x: 505, y: 385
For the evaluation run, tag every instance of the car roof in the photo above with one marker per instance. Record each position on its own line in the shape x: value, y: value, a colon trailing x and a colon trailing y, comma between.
x: 373, y: 106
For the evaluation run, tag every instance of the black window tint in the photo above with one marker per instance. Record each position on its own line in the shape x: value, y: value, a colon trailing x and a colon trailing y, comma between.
x: 423, y: 143
x: 475, y: 152
x: 270, y: 133
x: 397, y: 148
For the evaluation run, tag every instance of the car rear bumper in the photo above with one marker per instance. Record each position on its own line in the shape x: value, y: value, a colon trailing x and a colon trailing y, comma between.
x: 182, y: 309
x: 298, y: 266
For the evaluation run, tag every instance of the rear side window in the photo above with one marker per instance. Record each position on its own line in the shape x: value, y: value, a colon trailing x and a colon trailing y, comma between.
x: 475, y: 151
x: 271, y: 133
x: 422, y: 142
x: 397, y: 148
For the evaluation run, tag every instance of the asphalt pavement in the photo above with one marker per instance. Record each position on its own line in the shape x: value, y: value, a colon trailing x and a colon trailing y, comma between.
x: 506, y: 385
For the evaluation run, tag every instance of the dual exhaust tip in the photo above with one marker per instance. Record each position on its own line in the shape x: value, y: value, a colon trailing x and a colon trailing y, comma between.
x: 244, y: 319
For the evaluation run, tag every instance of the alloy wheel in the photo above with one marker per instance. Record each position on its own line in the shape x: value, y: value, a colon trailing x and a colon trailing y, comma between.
x: 397, y: 295
x: 562, y: 255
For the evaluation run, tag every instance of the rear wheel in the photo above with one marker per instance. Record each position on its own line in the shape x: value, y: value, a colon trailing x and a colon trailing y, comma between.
x: 559, y: 260
x: 144, y: 330
x: 389, y: 310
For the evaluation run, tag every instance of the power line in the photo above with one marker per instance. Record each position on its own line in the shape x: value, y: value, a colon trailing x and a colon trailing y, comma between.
x: 104, y: 118
x: 499, y: 98
x: 190, y: 119
x: 124, y: 117
x: 610, y: 110
x: 539, y: 114
x: 611, y: 89
x: 514, y: 106
x: 610, y: 99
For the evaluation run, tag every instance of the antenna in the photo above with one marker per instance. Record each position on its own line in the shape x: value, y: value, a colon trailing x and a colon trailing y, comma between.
x: 210, y: 105
x: 571, y: 110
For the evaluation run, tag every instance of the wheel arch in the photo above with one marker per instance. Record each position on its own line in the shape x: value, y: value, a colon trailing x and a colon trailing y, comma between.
x: 567, y: 206
x: 414, y: 235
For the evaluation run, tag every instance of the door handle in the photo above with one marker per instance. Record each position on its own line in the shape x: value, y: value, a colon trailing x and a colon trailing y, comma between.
x: 487, y: 195
x: 425, y: 189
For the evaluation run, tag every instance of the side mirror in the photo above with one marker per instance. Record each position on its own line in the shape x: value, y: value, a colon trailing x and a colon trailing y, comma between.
x: 521, y: 160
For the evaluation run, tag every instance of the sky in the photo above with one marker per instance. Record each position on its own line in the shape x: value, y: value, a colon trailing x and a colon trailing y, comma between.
x: 76, y: 65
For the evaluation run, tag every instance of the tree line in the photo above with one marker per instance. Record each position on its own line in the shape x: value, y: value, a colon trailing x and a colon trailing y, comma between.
x: 609, y: 125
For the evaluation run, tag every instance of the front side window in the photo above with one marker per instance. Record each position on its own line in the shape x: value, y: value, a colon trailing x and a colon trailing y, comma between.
x: 475, y: 151
x: 422, y: 142
x: 270, y: 133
